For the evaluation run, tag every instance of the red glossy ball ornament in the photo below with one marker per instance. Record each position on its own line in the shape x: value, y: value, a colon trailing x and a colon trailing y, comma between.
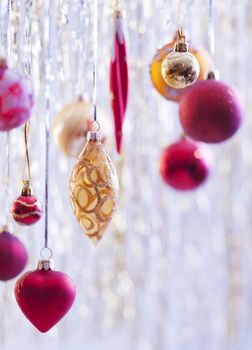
x: 185, y: 165
x: 13, y: 256
x: 26, y: 209
x: 15, y: 98
x: 44, y: 295
x: 210, y: 111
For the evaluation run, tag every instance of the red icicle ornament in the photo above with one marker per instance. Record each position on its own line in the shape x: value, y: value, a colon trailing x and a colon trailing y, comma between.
x: 118, y: 79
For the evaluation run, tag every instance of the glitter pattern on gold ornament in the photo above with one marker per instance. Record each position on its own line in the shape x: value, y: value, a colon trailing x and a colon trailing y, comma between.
x: 71, y: 124
x: 94, y: 188
x: 158, y: 82
x: 180, y: 68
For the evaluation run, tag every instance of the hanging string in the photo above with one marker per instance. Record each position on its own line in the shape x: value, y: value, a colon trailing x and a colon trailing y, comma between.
x: 47, y: 135
x: 81, y: 82
x: 47, y: 145
x: 5, y: 33
x: 95, y: 59
x: 27, y: 156
x: 7, y: 177
x: 5, y: 51
x: 26, y: 11
x: 180, y: 15
x: 211, y: 34
x: 117, y: 5
x: 47, y: 138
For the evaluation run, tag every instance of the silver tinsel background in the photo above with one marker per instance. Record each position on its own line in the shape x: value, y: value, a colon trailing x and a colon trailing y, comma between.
x: 174, y: 271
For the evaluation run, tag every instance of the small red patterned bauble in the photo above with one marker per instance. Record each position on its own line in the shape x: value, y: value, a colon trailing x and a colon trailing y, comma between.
x: 210, y: 111
x: 15, y: 98
x: 26, y: 209
x: 13, y: 256
x: 44, y: 295
x: 185, y: 165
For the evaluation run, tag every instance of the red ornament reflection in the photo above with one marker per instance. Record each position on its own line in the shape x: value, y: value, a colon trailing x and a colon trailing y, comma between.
x: 185, y: 165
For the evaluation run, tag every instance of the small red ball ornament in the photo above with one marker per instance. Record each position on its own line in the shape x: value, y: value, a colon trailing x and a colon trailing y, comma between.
x: 44, y: 295
x: 13, y: 256
x: 185, y: 165
x: 210, y: 111
x: 15, y: 98
x: 26, y: 209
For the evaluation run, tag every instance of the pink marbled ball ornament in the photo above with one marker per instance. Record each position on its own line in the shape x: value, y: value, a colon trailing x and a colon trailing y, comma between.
x: 15, y: 98
x: 210, y: 111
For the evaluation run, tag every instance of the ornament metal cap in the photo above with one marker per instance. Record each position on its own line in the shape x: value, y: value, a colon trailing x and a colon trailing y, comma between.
x: 27, y: 189
x: 117, y: 13
x: 94, y: 135
x: 6, y: 228
x: 45, y: 264
x: 211, y: 75
x: 3, y: 62
x: 181, y: 47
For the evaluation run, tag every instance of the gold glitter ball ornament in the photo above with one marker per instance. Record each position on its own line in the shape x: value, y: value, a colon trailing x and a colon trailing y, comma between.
x: 158, y: 82
x: 94, y: 188
x: 180, y: 68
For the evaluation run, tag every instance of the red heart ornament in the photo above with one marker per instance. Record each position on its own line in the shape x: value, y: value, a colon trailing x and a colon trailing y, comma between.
x: 45, y: 296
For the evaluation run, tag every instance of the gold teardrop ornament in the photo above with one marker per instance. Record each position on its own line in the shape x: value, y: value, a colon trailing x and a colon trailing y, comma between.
x: 94, y: 188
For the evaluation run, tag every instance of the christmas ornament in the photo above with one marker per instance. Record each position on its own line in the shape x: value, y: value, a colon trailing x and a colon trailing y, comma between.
x: 210, y: 111
x: 93, y: 188
x: 160, y: 85
x: 71, y: 124
x: 180, y: 68
x: 15, y: 98
x: 118, y: 78
x: 26, y: 209
x: 45, y: 295
x: 13, y: 255
x: 185, y: 165
x: 94, y: 183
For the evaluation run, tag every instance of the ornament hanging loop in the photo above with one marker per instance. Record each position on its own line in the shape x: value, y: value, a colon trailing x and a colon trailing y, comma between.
x: 94, y: 132
x: 181, y: 44
x: 46, y: 253
x: 180, y: 35
x: 94, y: 125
